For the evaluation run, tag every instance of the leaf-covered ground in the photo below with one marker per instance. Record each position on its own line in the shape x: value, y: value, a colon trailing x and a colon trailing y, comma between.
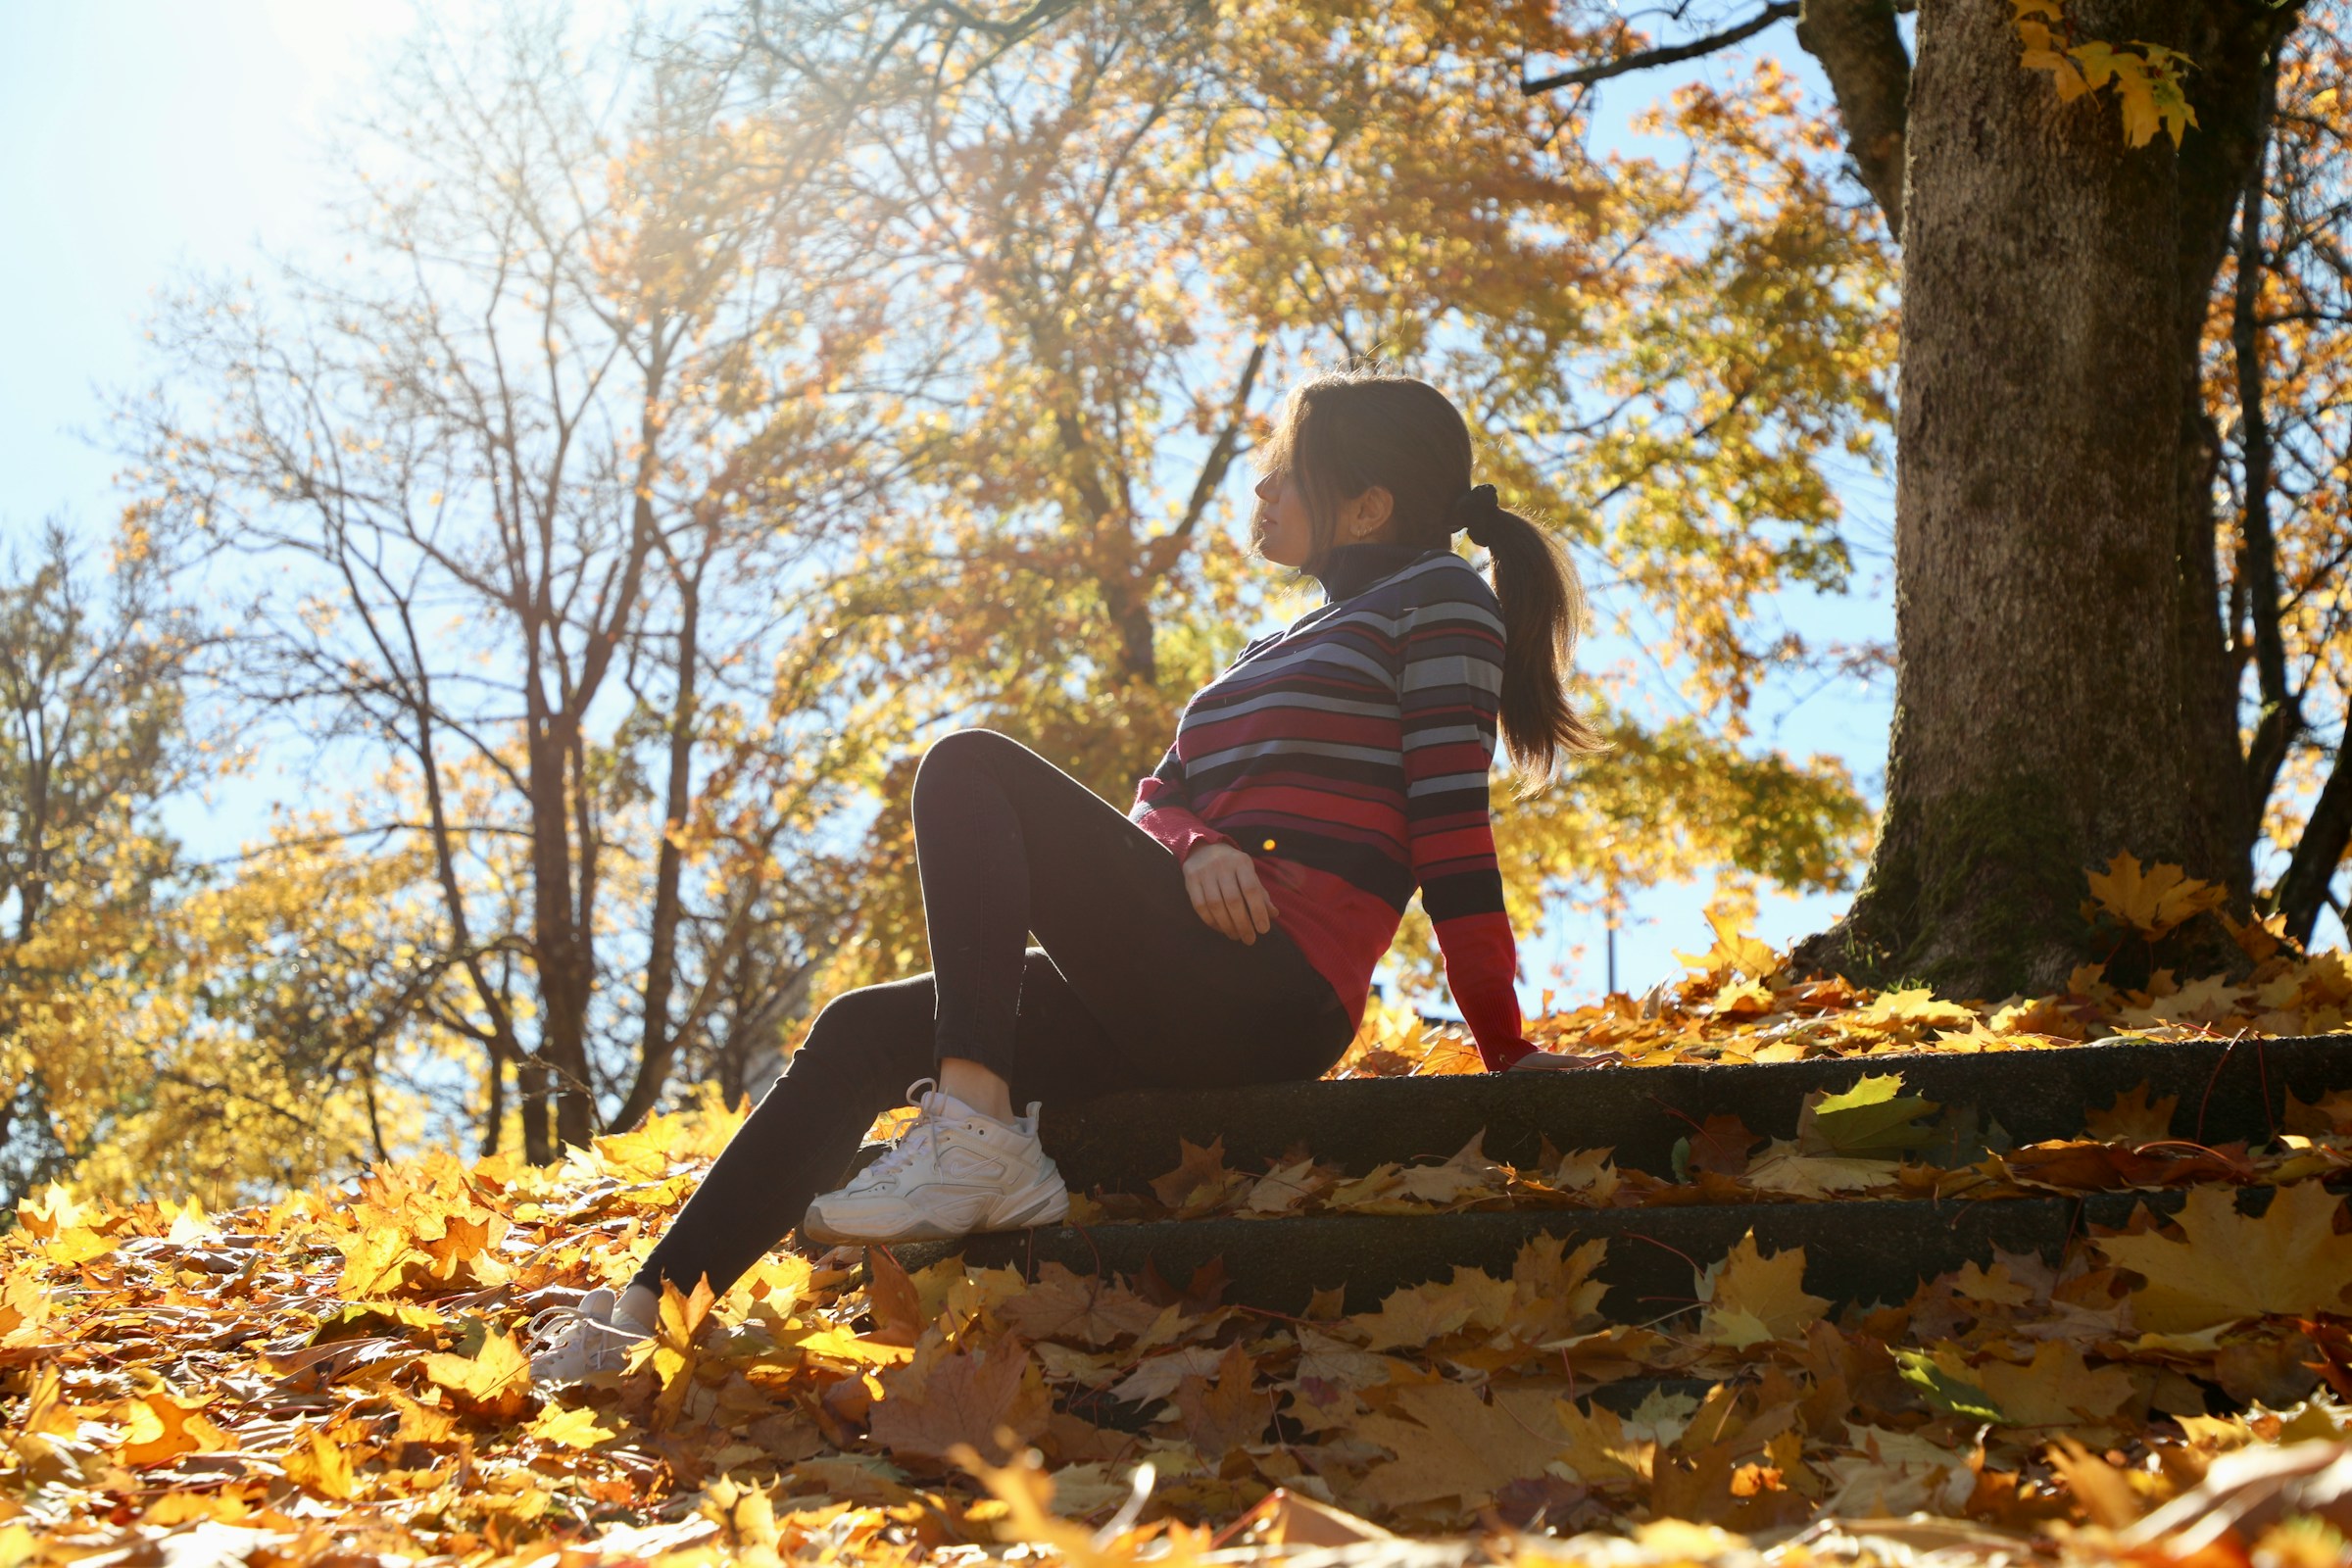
x: 340, y: 1375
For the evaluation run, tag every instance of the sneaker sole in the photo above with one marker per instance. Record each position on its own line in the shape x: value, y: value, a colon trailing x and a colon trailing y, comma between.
x: 1046, y: 1202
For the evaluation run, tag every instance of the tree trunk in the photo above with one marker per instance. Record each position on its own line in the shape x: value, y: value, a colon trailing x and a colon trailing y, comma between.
x: 2045, y: 708
x: 556, y: 944
x: 661, y: 1045
x: 494, y: 1112
x: 530, y: 1090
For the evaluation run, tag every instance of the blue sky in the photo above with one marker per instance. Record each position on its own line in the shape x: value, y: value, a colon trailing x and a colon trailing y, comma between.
x: 146, y: 140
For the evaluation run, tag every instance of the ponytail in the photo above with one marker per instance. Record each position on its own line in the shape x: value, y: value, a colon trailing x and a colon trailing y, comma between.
x: 1543, y: 612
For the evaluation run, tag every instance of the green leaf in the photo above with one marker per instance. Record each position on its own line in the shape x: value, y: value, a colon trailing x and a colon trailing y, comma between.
x: 1948, y: 1393
x: 1874, y: 1117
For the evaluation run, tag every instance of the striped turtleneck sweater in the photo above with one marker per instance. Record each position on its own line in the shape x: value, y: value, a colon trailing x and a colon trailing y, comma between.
x: 1347, y: 755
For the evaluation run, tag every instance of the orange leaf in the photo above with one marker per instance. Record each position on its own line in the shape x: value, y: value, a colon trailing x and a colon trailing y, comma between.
x: 964, y: 1398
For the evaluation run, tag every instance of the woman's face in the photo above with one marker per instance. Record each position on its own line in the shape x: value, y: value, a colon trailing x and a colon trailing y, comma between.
x: 1280, y: 530
x: 1282, y: 533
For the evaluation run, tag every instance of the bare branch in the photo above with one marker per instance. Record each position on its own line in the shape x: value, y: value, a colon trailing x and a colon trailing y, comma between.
x: 1648, y: 59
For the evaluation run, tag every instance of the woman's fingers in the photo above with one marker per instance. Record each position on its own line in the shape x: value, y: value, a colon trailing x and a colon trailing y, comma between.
x: 1207, y: 888
x: 1235, y: 906
x: 1253, y: 894
x: 1227, y: 894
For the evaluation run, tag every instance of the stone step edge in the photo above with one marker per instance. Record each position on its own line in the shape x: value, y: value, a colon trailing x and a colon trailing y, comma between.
x: 1858, y: 1252
x: 2226, y: 1091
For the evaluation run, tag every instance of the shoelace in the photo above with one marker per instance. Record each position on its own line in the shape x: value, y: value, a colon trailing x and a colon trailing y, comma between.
x: 928, y: 1115
x: 545, y: 1332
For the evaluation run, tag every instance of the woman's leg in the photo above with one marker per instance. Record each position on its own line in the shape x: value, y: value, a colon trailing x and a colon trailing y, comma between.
x: 1008, y: 844
x: 860, y: 1054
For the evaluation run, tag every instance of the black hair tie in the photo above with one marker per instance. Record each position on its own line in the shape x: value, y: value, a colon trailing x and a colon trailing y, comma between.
x: 1478, y: 508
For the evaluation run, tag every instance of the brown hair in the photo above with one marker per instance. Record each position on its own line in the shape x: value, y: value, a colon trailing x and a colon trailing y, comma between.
x: 1341, y: 434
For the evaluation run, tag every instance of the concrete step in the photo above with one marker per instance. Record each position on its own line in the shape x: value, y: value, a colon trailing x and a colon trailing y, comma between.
x: 1856, y: 1252
x: 2227, y: 1092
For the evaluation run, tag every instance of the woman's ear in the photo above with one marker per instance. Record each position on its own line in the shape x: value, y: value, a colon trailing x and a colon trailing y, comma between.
x: 1361, y: 516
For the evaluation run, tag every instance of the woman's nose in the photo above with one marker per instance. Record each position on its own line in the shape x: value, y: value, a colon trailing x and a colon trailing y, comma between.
x: 1264, y: 488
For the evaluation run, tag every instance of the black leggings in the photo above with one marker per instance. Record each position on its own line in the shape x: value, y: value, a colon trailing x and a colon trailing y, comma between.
x: 1129, y: 989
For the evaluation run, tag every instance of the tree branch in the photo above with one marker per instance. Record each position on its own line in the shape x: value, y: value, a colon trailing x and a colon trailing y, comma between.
x: 1870, y: 72
x: 1646, y: 59
x: 2317, y: 853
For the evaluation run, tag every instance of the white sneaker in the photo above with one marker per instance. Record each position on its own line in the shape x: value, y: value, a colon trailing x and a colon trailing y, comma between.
x: 953, y: 1172
x: 573, y: 1342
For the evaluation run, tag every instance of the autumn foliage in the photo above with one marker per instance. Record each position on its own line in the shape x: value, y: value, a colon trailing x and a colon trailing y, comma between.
x: 346, y: 1369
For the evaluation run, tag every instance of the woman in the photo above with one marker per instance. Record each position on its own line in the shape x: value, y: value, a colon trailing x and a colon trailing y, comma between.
x: 1226, y: 931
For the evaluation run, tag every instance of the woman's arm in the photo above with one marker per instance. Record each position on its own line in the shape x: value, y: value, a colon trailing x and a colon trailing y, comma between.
x: 1449, y: 694
x: 1164, y: 809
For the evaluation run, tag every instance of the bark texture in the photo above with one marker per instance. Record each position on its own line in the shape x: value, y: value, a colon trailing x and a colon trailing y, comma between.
x: 2051, y: 690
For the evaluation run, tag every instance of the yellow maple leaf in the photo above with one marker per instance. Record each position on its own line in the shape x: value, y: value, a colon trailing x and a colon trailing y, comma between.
x: 77, y: 1245
x: 375, y: 1261
x: 159, y: 1427
x: 1782, y: 1168
x: 2151, y: 902
x: 495, y: 1384
x: 964, y: 1399
x: 1458, y: 1446
x: 1751, y: 1298
x: 1556, y: 1295
x: 842, y: 1347
x: 2228, y: 1266
x: 576, y: 1428
x: 1469, y: 1173
x: 54, y: 1212
x: 1994, y: 1285
x: 2059, y: 1388
x: 1890, y: 1011
x: 318, y: 1462
x: 2133, y: 1118
x: 1416, y: 1314
x: 24, y: 1308
x: 1734, y: 952
x: 1598, y: 1450
x: 1286, y: 1187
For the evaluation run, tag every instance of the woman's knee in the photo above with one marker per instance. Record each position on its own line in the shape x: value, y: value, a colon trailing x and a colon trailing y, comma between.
x: 958, y: 753
x: 869, y: 1035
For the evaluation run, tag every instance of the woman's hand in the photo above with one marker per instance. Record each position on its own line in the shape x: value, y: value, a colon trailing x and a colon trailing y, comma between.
x: 1224, y: 887
x: 1563, y: 1061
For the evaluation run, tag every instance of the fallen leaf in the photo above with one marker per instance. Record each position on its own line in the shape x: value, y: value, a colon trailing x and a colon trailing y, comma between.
x: 1750, y: 1298
x: 493, y: 1386
x: 1199, y: 1182
x: 1458, y: 1446
x: 1416, y: 1314
x: 1222, y: 1416
x: 2152, y: 901
x: 1872, y: 1117
x: 2132, y: 1119
x: 2227, y: 1267
x: 966, y: 1396
x: 1063, y: 1304
x: 576, y: 1428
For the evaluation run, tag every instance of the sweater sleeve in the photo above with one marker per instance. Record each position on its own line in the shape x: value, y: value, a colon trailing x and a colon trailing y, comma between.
x: 1164, y: 809
x: 1449, y: 693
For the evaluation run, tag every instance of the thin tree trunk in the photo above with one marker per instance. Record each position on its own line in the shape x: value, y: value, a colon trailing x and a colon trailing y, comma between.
x: 530, y: 1085
x: 2281, y: 715
x: 494, y: 1115
x: 564, y: 977
x: 2233, y: 44
x: 662, y: 954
